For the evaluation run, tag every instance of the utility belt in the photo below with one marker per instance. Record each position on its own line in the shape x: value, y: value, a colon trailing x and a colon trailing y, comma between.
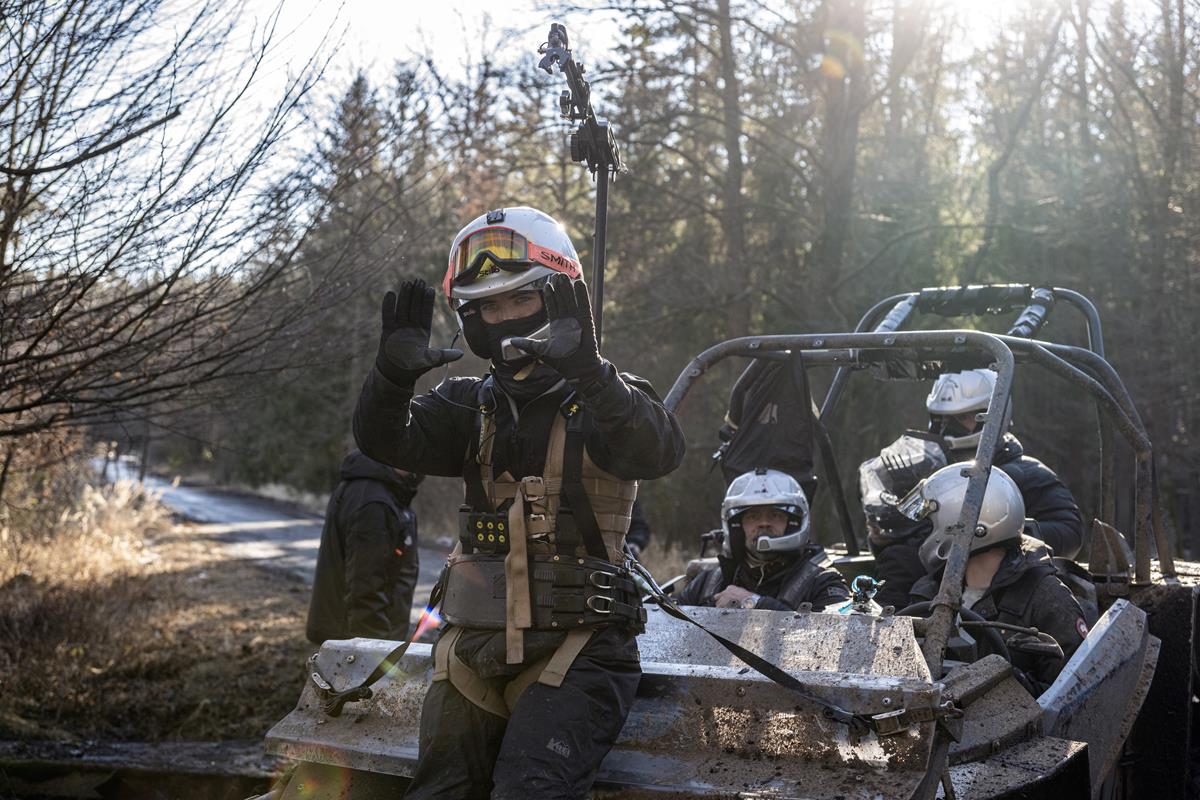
x: 565, y: 593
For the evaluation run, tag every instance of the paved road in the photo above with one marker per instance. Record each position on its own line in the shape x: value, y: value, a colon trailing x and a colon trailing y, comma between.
x: 267, y: 532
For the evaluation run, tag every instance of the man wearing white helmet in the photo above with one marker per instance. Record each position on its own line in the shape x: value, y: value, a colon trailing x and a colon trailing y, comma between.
x: 537, y: 667
x: 953, y: 403
x: 1010, y: 577
x: 767, y: 560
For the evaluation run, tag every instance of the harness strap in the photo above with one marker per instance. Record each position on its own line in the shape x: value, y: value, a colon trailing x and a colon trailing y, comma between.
x: 565, y: 656
x: 477, y: 466
x: 581, y: 505
x: 857, y: 723
x: 441, y: 654
x: 518, y: 609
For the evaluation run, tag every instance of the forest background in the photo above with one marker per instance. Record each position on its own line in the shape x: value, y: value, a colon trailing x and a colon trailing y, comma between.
x: 791, y: 163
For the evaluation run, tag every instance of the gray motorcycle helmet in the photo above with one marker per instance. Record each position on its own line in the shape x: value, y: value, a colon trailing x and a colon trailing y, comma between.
x: 940, y: 498
x: 956, y: 393
x: 773, y: 489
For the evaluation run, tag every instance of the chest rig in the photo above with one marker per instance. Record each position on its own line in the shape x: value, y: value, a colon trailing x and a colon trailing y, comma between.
x: 541, y: 552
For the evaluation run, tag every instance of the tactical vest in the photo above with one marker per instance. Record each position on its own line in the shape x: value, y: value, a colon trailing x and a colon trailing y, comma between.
x: 527, y: 561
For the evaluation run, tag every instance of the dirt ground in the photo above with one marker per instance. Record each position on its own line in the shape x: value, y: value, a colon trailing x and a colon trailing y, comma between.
x: 173, y: 645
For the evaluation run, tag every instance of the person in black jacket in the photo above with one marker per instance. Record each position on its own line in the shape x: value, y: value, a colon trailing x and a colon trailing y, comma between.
x: 368, y: 563
x: 953, y: 403
x: 767, y: 561
x: 537, y: 668
x: 1010, y: 578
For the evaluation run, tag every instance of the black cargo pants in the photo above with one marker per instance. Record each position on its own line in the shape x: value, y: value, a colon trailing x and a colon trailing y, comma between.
x: 551, y: 746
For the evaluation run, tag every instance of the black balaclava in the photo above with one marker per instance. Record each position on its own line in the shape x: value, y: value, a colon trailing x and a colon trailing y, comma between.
x: 521, y: 378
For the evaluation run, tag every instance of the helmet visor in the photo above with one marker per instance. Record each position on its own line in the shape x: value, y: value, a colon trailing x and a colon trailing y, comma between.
x: 915, y: 505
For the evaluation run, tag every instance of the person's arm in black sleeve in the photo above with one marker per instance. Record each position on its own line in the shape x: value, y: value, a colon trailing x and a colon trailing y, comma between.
x: 426, y: 434
x: 370, y: 543
x: 768, y: 603
x: 831, y: 590
x: 633, y: 435
x: 423, y: 434
x: 407, y: 574
x: 1050, y: 504
x: 693, y: 593
x: 1056, y: 612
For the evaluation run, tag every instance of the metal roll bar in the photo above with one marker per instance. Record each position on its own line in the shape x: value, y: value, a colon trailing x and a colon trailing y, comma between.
x: 949, y: 597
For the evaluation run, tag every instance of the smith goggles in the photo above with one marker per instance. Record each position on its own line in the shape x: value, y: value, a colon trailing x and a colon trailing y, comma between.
x: 490, y: 250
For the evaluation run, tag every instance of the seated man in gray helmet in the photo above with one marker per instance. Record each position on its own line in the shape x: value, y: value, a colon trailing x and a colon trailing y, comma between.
x: 767, y: 560
x: 1010, y: 577
x: 954, y: 432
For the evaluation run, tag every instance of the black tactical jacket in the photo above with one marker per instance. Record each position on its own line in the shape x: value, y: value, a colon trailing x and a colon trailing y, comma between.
x: 807, y: 578
x: 629, y: 435
x: 1047, y: 501
x: 1026, y: 591
x: 367, y: 565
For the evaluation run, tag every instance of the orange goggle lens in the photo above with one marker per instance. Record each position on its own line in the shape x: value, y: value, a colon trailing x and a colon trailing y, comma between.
x: 501, y: 244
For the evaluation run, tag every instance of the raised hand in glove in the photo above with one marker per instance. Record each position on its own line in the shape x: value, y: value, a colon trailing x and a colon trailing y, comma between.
x: 404, y: 351
x: 570, y: 344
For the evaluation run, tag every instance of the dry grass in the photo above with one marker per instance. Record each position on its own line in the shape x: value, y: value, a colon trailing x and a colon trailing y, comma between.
x: 115, y: 623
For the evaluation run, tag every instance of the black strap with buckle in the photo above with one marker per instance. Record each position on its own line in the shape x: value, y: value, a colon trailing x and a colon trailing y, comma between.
x: 585, y: 525
x: 332, y: 700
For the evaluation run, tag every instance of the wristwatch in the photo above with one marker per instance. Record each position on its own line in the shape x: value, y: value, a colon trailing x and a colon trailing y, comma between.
x: 750, y: 602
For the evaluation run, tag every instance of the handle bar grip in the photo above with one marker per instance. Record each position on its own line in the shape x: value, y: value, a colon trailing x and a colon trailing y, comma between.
x: 957, y: 301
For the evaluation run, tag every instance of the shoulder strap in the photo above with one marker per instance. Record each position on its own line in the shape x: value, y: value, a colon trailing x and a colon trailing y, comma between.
x: 477, y: 465
x: 572, y: 487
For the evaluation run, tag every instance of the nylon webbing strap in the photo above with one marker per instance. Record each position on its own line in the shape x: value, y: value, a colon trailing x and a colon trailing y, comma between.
x: 769, y: 670
x: 565, y: 537
x: 572, y: 489
x: 518, y: 610
x: 479, y: 457
x: 564, y: 656
x: 332, y: 701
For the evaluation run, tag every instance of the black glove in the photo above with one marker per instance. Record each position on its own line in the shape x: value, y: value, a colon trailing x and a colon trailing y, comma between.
x: 404, y: 351
x: 570, y: 344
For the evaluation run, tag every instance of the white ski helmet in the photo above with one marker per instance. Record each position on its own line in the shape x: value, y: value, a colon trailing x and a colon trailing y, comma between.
x: 955, y: 393
x: 504, y: 250
x: 940, y: 497
x: 500, y: 251
x: 772, y: 489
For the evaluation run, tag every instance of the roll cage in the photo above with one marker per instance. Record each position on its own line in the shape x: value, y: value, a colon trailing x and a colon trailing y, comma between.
x: 878, y: 341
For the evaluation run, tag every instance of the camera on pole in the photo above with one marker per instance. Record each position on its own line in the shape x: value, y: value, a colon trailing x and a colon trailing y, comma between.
x: 592, y: 143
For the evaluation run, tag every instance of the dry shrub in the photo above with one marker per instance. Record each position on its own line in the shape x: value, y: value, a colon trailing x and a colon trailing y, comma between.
x: 116, y: 624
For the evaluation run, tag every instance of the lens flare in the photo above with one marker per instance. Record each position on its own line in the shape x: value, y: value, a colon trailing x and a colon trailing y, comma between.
x: 430, y: 620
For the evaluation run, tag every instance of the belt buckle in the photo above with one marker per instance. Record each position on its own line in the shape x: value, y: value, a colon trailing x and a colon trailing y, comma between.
x: 597, y: 579
x: 533, y: 487
x: 607, y: 602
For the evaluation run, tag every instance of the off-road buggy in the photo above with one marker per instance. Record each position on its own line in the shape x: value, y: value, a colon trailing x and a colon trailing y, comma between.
x: 869, y: 707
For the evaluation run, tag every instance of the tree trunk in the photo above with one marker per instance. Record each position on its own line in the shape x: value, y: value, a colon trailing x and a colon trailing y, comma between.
x: 733, y: 222
x: 842, y: 70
